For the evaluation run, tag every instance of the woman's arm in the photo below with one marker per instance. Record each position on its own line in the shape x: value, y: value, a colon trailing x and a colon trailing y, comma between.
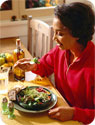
x: 62, y: 113
x: 84, y: 115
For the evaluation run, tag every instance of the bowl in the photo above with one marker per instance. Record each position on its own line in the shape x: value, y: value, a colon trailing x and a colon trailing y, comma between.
x: 34, y: 97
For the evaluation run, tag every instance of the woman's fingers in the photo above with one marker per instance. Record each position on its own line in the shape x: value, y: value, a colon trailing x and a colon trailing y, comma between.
x: 54, y: 114
x: 25, y: 64
x: 62, y: 113
x: 53, y: 111
x: 21, y: 62
x: 24, y: 59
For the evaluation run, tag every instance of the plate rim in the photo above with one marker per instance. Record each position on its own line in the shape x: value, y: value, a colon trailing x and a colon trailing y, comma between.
x: 54, y: 101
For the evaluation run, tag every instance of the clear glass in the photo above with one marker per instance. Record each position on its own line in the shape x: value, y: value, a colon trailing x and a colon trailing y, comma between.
x: 4, y: 74
x: 5, y: 5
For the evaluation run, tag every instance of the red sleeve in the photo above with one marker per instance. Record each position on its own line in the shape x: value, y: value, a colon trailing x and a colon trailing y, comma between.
x: 87, y: 115
x: 84, y: 115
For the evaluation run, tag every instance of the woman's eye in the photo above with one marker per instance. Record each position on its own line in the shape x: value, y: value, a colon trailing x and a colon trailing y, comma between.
x: 60, y: 34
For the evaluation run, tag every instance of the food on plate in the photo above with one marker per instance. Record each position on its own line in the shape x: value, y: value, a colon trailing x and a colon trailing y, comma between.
x: 35, y: 98
x: 12, y: 93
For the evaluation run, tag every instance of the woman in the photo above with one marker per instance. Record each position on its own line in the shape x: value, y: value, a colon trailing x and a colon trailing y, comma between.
x: 72, y: 62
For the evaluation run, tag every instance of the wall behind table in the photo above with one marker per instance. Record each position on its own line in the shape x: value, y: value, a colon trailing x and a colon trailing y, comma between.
x: 13, y: 29
x: 18, y: 29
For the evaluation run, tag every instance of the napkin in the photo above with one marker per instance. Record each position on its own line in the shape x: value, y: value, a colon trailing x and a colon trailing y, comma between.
x: 42, y: 81
x: 30, y: 76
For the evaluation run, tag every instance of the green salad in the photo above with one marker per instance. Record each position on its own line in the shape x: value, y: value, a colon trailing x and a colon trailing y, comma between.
x: 34, y: 97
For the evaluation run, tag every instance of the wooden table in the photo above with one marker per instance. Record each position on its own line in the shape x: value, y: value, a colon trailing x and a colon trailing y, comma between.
x: 8, y: 45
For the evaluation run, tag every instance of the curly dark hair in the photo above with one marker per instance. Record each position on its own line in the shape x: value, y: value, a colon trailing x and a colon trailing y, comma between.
x: 79, y: 18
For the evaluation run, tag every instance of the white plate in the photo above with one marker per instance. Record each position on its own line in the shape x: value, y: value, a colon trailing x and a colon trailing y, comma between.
x: 53, y: 103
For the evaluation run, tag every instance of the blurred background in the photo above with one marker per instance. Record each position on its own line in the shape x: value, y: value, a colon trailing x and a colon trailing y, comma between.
x: 14, y: 13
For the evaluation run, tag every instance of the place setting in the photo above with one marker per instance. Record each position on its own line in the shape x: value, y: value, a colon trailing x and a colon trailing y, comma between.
x: 32, y: 99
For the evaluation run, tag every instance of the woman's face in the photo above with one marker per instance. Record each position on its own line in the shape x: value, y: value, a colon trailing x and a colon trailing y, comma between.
x: 62, y: 35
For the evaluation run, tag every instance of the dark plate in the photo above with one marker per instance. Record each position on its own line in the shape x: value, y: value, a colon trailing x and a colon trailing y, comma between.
x: 52, y: 104
x: 36, y: 107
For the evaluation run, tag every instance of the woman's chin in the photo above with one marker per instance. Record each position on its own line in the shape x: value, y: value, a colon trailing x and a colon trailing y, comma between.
x: 61, y: 47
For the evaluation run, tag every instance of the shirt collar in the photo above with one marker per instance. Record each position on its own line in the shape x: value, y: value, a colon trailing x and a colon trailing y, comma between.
x: 86, y: 52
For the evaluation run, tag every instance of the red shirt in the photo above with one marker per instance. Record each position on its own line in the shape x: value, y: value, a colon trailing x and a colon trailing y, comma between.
x: 75, y: 82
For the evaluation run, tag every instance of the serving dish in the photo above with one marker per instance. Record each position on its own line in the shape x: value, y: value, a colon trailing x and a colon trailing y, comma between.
x: 41, y: 99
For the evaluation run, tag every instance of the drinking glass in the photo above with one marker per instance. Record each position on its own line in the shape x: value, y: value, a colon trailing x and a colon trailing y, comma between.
x: 4, y: 74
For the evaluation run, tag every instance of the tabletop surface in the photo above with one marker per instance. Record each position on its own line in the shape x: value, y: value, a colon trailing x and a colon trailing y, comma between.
x: 22, y: 118
x: 9, y: 44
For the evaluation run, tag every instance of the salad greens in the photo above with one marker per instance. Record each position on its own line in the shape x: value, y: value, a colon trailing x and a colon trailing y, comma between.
x: 35, y: 60
x: 34, y: 98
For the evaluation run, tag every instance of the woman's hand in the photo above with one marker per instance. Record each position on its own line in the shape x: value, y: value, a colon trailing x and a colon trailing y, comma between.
x: 25, y: 64
x: 62, y: 113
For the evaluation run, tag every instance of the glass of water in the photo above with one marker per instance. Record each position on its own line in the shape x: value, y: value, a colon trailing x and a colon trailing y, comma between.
x: 4, y: 74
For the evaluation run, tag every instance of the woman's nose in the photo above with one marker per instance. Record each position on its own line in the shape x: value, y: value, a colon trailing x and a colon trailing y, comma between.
x: 54, y: 37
